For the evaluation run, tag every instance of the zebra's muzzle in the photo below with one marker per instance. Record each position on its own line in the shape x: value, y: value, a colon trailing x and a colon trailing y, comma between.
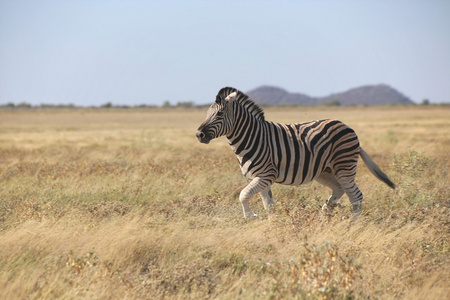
x: 202, y: 137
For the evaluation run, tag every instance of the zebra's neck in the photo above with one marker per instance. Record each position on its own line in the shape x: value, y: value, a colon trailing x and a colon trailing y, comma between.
x: 246, y: 135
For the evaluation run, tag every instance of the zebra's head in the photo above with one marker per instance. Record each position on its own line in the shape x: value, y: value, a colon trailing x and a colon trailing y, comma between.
x: 219, y: 117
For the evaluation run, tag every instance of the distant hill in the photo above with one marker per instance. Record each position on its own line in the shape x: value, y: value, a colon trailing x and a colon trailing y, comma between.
x: 365, y: 95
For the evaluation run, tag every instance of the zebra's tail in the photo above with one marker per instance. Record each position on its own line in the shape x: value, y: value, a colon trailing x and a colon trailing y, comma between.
x: 374, y: 169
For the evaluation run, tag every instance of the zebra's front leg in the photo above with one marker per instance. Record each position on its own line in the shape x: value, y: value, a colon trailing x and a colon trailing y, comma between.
x: 267, y: 198
x: 257, y: 185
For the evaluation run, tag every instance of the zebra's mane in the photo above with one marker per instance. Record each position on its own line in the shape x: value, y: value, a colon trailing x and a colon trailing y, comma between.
x: 243, y: 100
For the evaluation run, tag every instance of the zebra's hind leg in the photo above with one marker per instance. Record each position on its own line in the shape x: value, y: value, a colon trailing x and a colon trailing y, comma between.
x: 354, y: 194
x: 255, y: 186
x: 329, y: 180
x: 267, y: 198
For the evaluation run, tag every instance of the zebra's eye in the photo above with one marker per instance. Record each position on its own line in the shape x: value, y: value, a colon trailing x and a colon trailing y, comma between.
x: 219, y: 113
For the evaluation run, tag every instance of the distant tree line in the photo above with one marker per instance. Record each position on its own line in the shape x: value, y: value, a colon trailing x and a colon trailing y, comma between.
x: 165, y: 105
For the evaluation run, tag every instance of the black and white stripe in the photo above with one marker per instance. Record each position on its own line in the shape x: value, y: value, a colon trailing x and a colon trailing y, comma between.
x: 293, y: 154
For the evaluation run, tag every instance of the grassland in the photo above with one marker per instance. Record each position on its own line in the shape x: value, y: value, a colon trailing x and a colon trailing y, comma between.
x: 106, y: 204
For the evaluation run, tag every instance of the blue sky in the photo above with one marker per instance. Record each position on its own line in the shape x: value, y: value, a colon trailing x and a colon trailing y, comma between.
x: 133, y: 52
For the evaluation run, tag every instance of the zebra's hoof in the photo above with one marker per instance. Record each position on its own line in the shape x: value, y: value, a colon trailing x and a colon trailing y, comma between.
x: 251, y: 216
x: 357, y: 209
x: 327, y: 209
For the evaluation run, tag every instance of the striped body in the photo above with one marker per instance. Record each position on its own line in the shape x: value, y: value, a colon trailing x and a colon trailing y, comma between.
x: 297, y: 153
x: 293, y: 154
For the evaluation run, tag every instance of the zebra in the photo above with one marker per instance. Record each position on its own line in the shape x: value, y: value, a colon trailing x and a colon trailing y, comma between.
x: 292, y: 154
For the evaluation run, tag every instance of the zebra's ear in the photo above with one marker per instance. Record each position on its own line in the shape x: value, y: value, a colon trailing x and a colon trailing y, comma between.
x: 231, y: 96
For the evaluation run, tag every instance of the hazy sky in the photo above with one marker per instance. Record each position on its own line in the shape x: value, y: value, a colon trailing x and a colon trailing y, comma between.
x: 89, y: 52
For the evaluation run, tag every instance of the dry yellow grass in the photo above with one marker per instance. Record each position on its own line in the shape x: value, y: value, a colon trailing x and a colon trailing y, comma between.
x: 127, y: 204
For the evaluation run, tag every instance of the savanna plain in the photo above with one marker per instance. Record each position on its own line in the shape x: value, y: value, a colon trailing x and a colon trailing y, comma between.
x: 127, y: 204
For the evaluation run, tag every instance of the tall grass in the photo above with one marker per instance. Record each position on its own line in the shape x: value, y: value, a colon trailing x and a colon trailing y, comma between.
x: 113, y: 205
